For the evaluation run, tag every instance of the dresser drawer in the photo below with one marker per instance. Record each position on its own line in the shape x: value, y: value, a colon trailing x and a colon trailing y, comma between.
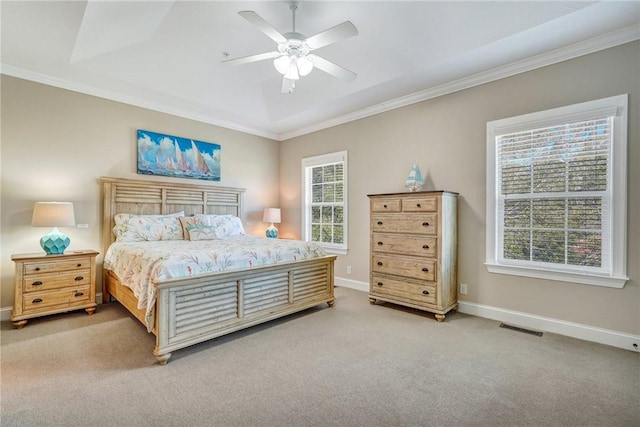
x: 387, y: 287
x: 405, y: 223
x: 42, y: 282
x: 409, y: 245
x: 386, y: 205
x: 424, y: 204
x: 35, y: 301
x: 61, y: 265
x: 404, y: 266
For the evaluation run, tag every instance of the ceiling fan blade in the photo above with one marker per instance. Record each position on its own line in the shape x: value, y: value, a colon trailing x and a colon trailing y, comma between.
x: 263, y: 25
x: 332, y: 35
x: 331, y: 68
x: 288, y: 85
x: 251, y: 58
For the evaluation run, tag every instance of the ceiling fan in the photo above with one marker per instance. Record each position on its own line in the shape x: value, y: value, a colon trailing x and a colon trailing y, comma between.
x: 293, y: 58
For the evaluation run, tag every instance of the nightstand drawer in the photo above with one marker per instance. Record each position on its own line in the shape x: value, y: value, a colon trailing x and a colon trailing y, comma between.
x: 59, y: 265
x: 70, y: 297
x: 415, y: 268
x: 384, y: 286
x: 42, y: 282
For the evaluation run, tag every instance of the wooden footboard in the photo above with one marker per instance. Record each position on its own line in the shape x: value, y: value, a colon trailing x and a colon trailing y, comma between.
x: 196, y: 309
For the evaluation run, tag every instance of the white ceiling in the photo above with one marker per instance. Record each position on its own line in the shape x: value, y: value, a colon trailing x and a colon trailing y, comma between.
x: 166, y: 55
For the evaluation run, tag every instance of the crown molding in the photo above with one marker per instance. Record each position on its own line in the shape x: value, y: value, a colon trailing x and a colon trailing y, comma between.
x: 25, y: 74
x: 606, y: 41
x: 609, y: 40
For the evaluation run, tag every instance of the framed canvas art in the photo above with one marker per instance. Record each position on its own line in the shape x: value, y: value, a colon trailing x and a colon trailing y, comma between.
x: 167, y: 155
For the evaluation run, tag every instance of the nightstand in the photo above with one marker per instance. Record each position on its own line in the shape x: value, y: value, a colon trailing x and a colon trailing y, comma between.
x: 48, y: 284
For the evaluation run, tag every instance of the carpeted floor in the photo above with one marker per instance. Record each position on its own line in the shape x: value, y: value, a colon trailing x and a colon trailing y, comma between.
x: 355, y: 364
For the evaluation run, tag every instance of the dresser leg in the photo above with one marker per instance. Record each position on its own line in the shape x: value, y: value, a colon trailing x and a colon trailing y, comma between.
x: 440, y: 317
x: 331, y: 303
x: 90, y: 310
x: 163, y: 358
x: 372, y: 300
x: 19, y: 324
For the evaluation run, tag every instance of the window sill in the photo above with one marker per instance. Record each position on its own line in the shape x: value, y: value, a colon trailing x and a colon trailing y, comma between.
x: 336, y: 251
x: 581, y: 278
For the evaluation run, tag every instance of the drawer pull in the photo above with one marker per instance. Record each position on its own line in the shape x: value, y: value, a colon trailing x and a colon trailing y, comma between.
x: 36, y: 301
x: 425, y: 292
x: 379, y: 262
x: 385, y: 206
x: 380, y: 283
x: 418, y: 205
x: 79, y: 265
x: 78, y: 294
x: 379, y: 222
x: 380, y: 243
x: 425, y: 246
x: 37, y: 269
x: 425, y: 269
x: 37, y: 283
x: 426, y: 224
x: 78, y: 278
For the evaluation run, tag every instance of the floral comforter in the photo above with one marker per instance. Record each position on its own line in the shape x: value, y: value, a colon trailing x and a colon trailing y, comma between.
x: 139, y: 265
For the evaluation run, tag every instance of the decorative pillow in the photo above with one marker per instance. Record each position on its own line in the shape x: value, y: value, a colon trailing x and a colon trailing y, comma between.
x: 191, y: 221
x: 140, y: 228
x: 226, y: 225
x: 202, y: 232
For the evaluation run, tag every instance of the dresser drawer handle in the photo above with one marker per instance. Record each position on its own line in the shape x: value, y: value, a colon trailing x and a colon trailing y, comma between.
x: 426, y: 224
x: 425, y: 246
x: 418, y: 205
x: 379, y: 222
x: 37, y: 283
x: 385, y: 206
x: 380, y: 283
x: 425, y: 269
x: 79, y: 265
x: 425, y: 292
x: 78, y: 278
x: 36, y: 301
x: 37, y: 269
x: 379, y: 262
x: 78, y: 294
x: 380, y: 243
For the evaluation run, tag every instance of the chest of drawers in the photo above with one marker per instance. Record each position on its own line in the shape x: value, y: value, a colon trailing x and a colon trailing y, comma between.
x: 48, y: 284
x: 414, y: 250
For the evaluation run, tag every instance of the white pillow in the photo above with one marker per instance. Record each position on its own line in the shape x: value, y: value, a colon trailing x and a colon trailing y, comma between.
x: 140, y: 228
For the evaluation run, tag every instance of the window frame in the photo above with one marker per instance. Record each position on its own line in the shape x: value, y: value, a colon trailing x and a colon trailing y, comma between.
x: 615, y: 107
x: 323, y: 160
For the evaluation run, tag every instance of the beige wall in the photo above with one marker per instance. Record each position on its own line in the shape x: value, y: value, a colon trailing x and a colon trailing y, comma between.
x: 57, y: 143
x: 447, y: 136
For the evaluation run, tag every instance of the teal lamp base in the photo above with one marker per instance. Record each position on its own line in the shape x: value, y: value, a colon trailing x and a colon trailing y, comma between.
x: 272, y: 232
x: 55, y: 242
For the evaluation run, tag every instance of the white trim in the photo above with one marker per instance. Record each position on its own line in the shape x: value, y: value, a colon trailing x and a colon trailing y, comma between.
x: 606, y: 41
x: 562, y: 276
x: 556, y: 326
x: 595, y: 44
x: 352, y: 284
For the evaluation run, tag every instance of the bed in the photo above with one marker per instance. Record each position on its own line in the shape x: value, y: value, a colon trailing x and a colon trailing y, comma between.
x: 188, y: 310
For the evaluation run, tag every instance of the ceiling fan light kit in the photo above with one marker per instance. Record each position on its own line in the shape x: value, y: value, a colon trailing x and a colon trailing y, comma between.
x: 293, y: 58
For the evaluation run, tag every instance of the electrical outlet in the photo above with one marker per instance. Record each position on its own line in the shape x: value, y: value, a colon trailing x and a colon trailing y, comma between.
x: 83, y: 226
x: 348, y: 269
x: 463, y: 288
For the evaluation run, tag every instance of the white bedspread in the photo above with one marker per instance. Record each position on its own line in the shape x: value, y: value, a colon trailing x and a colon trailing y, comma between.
x: 139, y: 265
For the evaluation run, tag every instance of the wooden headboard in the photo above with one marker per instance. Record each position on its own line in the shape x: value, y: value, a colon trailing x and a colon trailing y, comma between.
x: 160, y: 198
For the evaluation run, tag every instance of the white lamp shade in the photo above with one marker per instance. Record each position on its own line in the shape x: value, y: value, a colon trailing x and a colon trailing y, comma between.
x: 53, y: 214
x: 282, y: 64
x: 304, y: 66
x: 271, y: 215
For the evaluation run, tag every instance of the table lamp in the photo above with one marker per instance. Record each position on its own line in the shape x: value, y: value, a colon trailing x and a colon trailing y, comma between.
x: 54, y: 214
x: 271, y: 215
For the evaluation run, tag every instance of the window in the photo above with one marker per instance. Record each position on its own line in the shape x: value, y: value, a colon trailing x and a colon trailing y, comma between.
x: 324, y: 201
x: 556, y: 194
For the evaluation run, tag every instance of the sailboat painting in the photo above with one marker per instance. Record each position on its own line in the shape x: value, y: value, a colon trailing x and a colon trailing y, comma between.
x: 166, y: 155
x: 414, y: 180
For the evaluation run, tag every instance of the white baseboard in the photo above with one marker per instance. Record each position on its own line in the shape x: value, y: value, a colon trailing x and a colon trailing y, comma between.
x: 546, y: 324
x: 353, y: 284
